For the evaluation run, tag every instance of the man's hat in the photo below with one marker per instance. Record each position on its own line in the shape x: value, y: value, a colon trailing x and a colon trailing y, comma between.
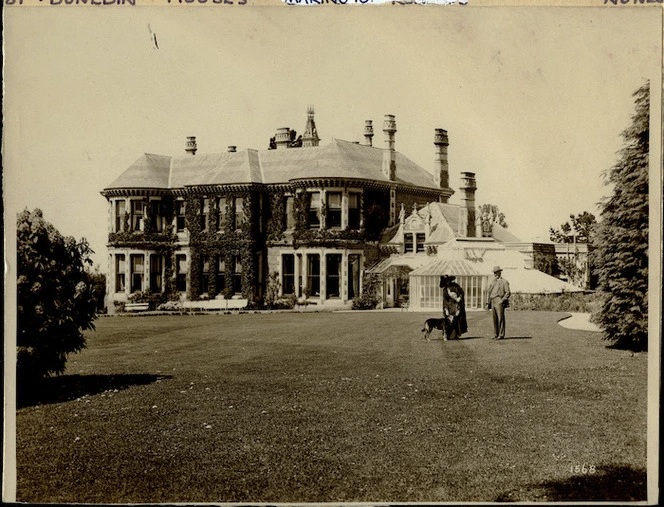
x: 497, y: 268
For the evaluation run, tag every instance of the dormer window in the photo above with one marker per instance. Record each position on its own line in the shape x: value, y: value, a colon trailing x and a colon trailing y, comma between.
x: 333, y: 215
x: 420, y: 238
x: 408, y: 242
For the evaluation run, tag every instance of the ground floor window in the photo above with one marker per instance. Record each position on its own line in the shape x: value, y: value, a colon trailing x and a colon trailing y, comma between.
x: 181, y: 269
x: 137, y: 272
x: 288, y: 273
x: 236, y: 276
x: 221, y: 275
x: 205, y: 269
x: 313, y: 274
x: 156, y: 273
x: 333, y: 275
x: 120, y: 273
x: 353, y: 276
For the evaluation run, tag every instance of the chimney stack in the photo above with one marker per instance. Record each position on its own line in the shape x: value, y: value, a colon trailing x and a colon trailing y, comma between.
x: 468, y: 187
x: 368, y: 133
x: 190, y: 146
x: 389, y: 155
x: 441, y: 169
x: 282, y: 138
x: 232, y: 149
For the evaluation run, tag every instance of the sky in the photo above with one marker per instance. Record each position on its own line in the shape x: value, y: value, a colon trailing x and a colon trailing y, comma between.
x: 533, y: 99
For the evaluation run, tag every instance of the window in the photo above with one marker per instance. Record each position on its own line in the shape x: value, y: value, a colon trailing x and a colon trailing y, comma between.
x: 353, y: 276
x: 205, y: 282
x: 156, y: 214
x: 313, y: 274
x: 181, y: 272
x: 239, y: 212
x: 289, y: 218
x: 155, y: 273
x: 223, y: 214
x: 420, y: 238
x: 221, y: 275
x: 236, y: 276
x: 137, y: 270
x: 119, y: 215
x: 205, y: 213
x: 408, y: 242
x: 180, y: 216
x: 313, y: 217
x: 354, y: 211
x: 333, y: 215
x: 288, y: 273
x: 119, y: 273
x: 137, y: 208
x: 333, y: 275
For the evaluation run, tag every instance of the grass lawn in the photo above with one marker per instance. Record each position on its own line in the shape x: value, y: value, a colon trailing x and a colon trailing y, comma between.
x: 336, y: 407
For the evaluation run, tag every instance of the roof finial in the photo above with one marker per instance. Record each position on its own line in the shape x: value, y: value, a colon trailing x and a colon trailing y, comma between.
x: 310, y: 136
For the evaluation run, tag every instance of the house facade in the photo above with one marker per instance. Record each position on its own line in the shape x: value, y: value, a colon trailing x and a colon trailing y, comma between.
x: 212, y: 228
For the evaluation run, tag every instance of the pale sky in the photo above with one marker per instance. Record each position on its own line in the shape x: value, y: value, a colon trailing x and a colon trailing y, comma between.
x: 533, y: 99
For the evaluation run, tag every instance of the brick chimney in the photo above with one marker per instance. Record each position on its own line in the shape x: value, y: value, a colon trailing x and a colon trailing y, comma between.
x: 232, y: 149
x: 368, y: 133
x: 389, y: 155
x: 468, y: 187
x: 441, y: 169
x: 282, y: 138
x: 190, y: 146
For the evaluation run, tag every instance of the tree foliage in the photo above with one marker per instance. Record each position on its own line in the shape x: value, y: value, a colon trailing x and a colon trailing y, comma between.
x: 622, y: 236
x: 492, y: 213
x: 580, y: 226
x: 56, y: 297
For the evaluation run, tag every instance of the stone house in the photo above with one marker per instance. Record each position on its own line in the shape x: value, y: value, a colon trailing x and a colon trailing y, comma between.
x: 210, y: 229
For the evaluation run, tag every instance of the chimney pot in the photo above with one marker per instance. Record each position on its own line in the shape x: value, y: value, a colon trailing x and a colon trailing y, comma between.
x: 190, y: 146
x: 232, y: 149
x: 368, y: 132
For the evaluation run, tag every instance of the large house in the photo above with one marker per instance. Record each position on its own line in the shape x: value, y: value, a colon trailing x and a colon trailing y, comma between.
x: 212, y: 228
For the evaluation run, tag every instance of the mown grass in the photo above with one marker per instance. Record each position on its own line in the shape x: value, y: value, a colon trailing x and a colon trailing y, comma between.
x: 336, y: 407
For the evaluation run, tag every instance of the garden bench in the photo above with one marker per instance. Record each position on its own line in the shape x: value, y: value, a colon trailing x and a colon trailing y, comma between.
x: 137, y: 307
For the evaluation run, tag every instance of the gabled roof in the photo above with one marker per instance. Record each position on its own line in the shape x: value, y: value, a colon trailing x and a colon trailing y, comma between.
x: 336, y: 159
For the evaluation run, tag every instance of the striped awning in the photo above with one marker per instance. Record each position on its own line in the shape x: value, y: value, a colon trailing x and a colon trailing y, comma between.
x: 447, y: 267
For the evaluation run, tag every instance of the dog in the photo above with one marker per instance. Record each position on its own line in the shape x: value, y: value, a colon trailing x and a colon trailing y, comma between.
x: 431, y: 324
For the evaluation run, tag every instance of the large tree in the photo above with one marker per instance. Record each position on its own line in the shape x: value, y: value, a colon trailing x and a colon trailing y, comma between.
x: 492, y: 213
x: 579, y: 228
x: 56, y: 299
x: 622, y: 236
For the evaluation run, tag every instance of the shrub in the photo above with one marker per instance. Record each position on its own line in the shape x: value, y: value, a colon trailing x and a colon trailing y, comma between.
x: 170, y: 306
x: 56, y: 299
x: 154, y: 299
x: 576, y: 302
x: 365, y: 302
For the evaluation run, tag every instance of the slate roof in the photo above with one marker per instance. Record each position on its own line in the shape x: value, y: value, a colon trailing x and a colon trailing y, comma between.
x: 336, y: 159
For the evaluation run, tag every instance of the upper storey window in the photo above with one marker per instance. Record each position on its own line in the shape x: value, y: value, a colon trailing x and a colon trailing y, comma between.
x: 333, y: 215
x: 119, y: 215
x: 179, y: 216
x: 205, y: 213
x: 239, y: 213
x: 354, y: 210
x: 289, y: 214
x: 223, y: 213
x: 137, y: 215
x: 408, y: 242
x: 420, y: 238
x: 313, y: 217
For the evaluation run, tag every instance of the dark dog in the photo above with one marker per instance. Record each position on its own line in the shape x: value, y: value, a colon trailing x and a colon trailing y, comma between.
x: 431, y: 324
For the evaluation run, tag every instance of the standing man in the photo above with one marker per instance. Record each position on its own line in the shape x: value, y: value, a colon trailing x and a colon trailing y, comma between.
x: 454, y: 308
x: 498, y: 295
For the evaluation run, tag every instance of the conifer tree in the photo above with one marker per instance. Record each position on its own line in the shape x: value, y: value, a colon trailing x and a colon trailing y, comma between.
x: 622, y: 237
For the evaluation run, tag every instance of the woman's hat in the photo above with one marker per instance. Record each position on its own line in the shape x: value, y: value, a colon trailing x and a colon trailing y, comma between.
x: 446, y: 278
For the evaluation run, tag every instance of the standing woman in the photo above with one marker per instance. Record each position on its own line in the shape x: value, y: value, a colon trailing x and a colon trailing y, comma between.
x: 454, y: 308
x: 498, y: 296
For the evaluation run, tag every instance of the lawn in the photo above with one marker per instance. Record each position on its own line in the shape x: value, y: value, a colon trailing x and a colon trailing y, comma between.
x: 336, y: 407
